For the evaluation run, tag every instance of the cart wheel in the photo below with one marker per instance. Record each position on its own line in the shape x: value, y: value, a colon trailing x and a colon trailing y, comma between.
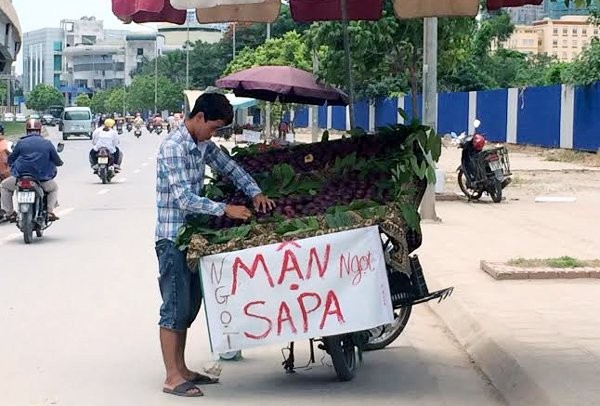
x: 343, y: 355
x: 472, y: 194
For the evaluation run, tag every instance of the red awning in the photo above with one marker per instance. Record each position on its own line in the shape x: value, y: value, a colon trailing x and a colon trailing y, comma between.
x: 147, y: 11
x: 330, y: 10
x: 498, y: 4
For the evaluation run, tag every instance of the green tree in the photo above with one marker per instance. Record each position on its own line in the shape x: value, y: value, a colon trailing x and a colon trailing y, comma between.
x: 289, y: 50
x: 115, y: 100
x: 585, y: 69
x: 140, y: 95
x: 3, y: 92
x: 43, y: 96
x: 83, y: 100
x: 98, y: 102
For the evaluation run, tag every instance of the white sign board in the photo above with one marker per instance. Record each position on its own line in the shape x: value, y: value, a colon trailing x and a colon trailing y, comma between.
x: 251, y: 136
x: 315, y: 287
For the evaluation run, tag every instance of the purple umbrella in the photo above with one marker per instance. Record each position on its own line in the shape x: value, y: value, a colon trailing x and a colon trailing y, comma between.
x: 283, y: 83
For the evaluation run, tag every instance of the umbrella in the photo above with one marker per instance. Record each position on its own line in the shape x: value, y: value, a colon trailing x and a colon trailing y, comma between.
x: 283, y: 83
x: 147, y: 11
x: 498, y: 4
x: 328, y: 10
x: 266, y: 11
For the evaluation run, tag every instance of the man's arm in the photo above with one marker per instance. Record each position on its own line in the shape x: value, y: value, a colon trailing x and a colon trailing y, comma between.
x: 172, y: 165
x: 223, y: 164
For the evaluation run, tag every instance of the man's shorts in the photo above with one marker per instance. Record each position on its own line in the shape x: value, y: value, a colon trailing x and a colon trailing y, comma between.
x: 180, y: 288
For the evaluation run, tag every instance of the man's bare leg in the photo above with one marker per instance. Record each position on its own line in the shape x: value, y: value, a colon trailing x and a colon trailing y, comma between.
x: 172, y: 344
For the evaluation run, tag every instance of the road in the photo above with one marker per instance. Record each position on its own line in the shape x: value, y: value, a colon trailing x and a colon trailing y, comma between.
x: 78, y: 310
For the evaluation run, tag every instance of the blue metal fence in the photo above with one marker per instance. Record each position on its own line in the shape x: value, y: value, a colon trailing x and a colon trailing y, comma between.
x: 550, y: 116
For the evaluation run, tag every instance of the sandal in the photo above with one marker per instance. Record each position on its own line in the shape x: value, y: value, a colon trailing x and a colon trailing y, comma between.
x: 200, y: 379
x: 184, y: 390
x: 52, y: 217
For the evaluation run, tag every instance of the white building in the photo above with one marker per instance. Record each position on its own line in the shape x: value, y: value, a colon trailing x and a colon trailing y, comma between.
x: 10, y: 36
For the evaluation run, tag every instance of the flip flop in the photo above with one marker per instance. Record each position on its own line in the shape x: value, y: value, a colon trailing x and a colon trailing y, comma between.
x: 184, y: 390
x: 200, y: 379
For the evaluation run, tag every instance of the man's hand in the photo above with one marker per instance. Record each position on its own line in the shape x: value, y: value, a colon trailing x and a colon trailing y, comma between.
x: 263, y: 203
x: 237, y: 212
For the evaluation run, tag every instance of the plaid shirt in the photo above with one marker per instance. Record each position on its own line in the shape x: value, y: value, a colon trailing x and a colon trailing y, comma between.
x: 180, y: 180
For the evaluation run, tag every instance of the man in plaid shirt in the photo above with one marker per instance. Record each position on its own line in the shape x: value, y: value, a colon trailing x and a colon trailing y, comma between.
x: 181, y: 161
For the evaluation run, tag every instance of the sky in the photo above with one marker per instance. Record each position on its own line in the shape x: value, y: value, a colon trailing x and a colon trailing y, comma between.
x: 36, y: 14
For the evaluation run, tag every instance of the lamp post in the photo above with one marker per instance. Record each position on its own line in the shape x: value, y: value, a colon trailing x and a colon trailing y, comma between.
x: 156, y: 80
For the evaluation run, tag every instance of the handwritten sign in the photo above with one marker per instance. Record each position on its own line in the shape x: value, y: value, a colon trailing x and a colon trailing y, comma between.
x: 315, y: 287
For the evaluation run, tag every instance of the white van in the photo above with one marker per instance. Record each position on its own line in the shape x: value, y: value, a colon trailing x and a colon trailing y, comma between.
x: 77, y: 121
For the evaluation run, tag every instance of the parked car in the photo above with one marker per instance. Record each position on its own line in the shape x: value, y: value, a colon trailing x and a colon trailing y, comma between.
x: 9, y: 117
x: 20, y: 117
x: 48, y: 119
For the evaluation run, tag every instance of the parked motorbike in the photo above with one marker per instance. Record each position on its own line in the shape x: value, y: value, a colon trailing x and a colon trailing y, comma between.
x: 106, y: 169
x: 32, y: 214
x: 481, y: 170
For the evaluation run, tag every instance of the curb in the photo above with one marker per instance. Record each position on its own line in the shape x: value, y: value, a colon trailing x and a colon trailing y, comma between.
x: 489, y: 348
x: 502, y: 271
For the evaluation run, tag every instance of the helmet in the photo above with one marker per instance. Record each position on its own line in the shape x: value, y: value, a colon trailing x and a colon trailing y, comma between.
x: 109, y: 122
x: 33, y: 124
x: 478, y: 142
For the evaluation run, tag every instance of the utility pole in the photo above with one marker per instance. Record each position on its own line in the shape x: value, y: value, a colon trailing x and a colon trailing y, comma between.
x: 430, y: 49
x: 234, y: 39
x: 314, y: 109
x: 156, y: 80
x: 268, y: 109
x: 187, y: 57
x: 347, y: 53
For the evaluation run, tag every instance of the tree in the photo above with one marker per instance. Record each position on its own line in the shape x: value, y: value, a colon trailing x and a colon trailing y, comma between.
x: 83, y: 100
x: 43, y: 96
x: 115, y: 101
x: 140, y: 95
x: 585, y: 69
x: 289, y: 50
x: 99, y: 100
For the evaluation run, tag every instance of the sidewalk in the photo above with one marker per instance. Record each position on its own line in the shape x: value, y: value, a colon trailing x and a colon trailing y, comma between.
x: 538, y: 341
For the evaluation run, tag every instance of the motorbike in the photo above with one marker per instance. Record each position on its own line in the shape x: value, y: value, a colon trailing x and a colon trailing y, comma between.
x: 150, y: 127
x: 129, y: 127
x: 159, y: 130
x: 120, y: 129
x: 407, y: 288
x: 32, y: 214
x: 138, y: 132
x: 106, y: 169
x: 481, y: 170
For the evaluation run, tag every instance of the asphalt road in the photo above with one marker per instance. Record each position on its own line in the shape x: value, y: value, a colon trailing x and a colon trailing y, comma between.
x: 78, y: 314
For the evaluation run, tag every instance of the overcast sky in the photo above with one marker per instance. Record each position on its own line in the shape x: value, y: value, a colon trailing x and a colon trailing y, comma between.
x: 36, y: 14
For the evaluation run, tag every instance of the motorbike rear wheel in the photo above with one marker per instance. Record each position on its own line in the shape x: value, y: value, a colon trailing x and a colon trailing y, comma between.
x: 472, y: 194
x: 496, y: 191
x: 27, y: 227
x: 342, y: 351
x: 382, y: 336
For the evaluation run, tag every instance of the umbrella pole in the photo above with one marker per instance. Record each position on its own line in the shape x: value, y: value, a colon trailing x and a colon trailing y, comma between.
x: 348, y: 59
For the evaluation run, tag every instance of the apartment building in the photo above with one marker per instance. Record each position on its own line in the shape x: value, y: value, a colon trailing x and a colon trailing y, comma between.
x: 563, y: 38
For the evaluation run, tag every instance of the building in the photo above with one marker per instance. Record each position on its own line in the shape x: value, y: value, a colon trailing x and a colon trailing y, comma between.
x: 176, y: 36
x: 557, y: 9
x: 10, y: 36
x: 526, y: 15
x: 82, y: 57
x: 564, y: 38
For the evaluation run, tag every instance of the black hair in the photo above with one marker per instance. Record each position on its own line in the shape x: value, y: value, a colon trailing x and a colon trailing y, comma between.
x: 214, y: 106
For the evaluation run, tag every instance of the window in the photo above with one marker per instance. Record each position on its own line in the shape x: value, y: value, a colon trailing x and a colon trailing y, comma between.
x: 584, y: 32
x: 575, y: 31
x: 81, y: 83
x: 58, y: 45
x: 140, y: 52
x: 77, y: 115
x: 574, y: 43
x: 555, y: 31
x: 565, y: 31
x: 554, y: 43
x: 57, y: 63
x: 56, y: 80
x: 564, y: 44
x: 574, y: 55
x: 97, y: 84
x: 595, y: 31
x: 564, y: 55
x: 88, y: 39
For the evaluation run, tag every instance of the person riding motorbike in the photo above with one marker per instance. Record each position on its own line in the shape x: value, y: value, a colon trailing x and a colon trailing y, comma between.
x: 138, y: 122
x: 157, y: 121
x: 34, y: 156
x: 107, y: 138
